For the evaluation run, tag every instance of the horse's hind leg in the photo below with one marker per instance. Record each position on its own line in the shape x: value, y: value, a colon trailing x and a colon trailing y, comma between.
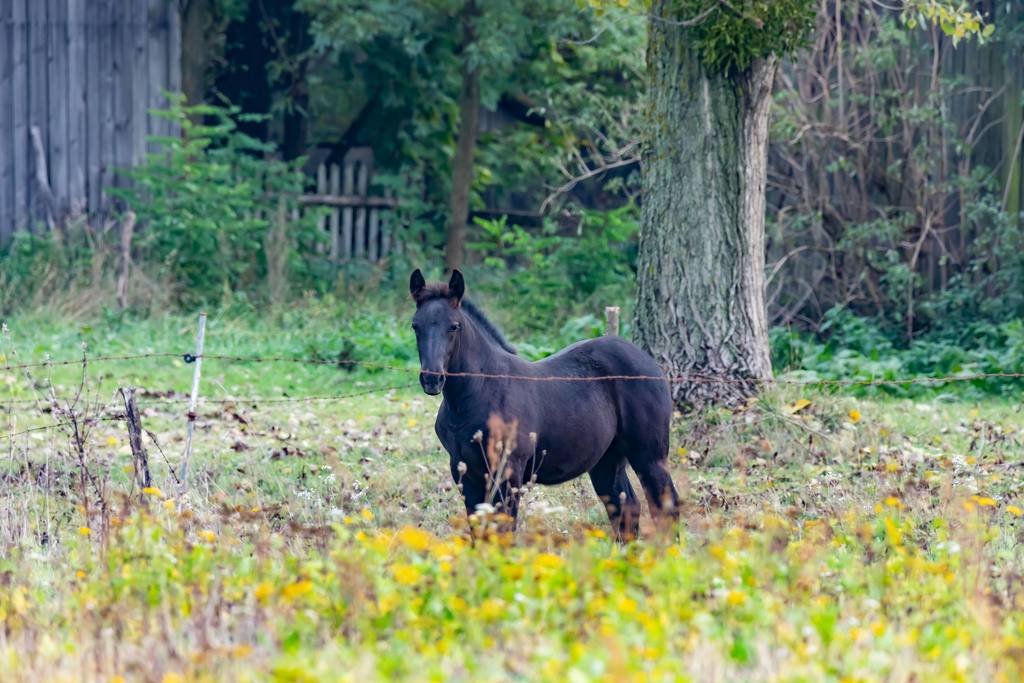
x: 661, y: 493
x: 613, y: 488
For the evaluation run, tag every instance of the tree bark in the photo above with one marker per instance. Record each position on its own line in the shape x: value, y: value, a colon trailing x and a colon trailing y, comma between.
x: 197, y: 18
x: 465, y: 146
x: 700, y: 307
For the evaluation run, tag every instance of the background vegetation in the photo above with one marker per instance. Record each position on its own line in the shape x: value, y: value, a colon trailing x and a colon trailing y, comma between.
x: 831, y: 531
x: 894, y: 192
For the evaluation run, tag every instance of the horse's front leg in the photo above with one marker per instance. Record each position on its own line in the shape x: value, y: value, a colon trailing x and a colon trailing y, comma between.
x: 472, y: 486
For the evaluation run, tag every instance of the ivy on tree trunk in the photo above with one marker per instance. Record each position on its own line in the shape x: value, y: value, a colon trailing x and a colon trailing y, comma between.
x: 700, y: 301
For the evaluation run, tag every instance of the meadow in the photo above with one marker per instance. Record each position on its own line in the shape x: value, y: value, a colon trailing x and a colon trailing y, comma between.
x: 826, y: 534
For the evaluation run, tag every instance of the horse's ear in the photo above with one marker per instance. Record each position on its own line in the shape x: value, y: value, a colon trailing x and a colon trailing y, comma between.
x: 416, y: 283
x: 456, y: 287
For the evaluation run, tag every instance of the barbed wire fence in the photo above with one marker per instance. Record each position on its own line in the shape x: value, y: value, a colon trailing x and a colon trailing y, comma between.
x: 190, y: 402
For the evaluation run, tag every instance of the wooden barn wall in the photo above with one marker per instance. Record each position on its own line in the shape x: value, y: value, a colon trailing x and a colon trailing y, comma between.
x: 85, y: 74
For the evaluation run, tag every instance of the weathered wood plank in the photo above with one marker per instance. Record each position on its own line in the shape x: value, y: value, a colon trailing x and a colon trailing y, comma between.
x: 348, y: 200
x: 94, y: 31
x: 140, y: 79
x: 20, y: 102
x: 174, y: 47
x: 38, y: 94
x: 6, y: 119
x: 386, y: 223
x: 348, y: 188
x: 77, y: 137
x: 335, y: 186
x: 321, y: 188
x: 123, y: 91
x: 362, y: 184
x: 156, y: 57
x: 108, y: 83
x: 373, y: 235
x: 55, y: 136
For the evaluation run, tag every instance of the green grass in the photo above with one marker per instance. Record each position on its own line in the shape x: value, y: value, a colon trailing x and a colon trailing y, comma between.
x: 824, y: 536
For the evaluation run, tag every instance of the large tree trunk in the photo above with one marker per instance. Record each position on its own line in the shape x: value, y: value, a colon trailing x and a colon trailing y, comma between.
x: 197, y: 49
x: 462, y: 164
x: 700, y: 307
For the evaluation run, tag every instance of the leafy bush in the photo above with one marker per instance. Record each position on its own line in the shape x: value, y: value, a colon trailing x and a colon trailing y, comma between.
x: 547, y: 275
x: 857, y: 349
x: 208, y: 201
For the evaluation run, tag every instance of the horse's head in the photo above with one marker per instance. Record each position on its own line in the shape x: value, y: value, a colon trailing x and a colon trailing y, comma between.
x: 437, y: 322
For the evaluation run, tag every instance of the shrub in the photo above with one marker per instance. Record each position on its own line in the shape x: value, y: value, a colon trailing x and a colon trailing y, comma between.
x: 208, y: 202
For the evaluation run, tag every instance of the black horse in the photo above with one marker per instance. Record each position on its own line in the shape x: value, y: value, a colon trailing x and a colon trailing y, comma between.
x: 506, y: 421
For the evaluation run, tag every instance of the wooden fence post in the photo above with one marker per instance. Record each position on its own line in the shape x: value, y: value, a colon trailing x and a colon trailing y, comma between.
x: 125, y: 264
x: 611, y: 321
x: 277, y: 253
x: 139, y: 459
x: 190, y: 429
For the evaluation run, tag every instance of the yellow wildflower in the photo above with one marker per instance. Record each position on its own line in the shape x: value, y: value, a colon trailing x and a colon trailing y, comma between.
x: 854, y: 415
x: 984, y: 501
x: 296, y: 590
x: 153, y: 491
x: 405, y: 574
x: 263, y: 591
x: 416, y: 539
x: 84, y: 531
x: 388, y: 602
x: 169, y: 505
x: 547, y: 561
x: 207, y: 535
x: 735, y: 597
x: 893, y: 502
x: 1014, y: 510
x: 492, y: 608
x: 893, y: 532
x: 627, y: 606
x: 366, y: 514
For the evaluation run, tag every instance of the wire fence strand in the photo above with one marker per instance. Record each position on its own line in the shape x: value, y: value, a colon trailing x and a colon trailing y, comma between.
x: 42, y: 403
x: 694, y: 378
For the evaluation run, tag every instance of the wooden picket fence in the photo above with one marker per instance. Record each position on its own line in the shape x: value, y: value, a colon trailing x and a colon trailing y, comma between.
x: 354, y: 223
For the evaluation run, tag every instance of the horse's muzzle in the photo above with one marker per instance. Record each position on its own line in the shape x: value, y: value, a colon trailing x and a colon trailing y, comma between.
x: 432, y: 382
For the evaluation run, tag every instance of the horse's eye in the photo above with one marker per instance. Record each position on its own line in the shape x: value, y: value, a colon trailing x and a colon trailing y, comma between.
x: 455, y: 327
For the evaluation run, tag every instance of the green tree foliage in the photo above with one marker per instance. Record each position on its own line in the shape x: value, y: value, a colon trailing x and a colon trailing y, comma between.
x: 575, y: 75
x: 731, y: 35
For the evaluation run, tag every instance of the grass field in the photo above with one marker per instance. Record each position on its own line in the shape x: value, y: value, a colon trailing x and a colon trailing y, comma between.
x: 824, y: 536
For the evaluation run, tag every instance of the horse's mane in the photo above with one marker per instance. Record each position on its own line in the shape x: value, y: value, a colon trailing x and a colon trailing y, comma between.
x: 440, y: 291
x: 490, y: 328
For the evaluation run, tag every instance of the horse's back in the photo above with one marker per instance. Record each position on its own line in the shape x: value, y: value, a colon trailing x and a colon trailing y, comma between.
x: 602, y: 356
x: 636, y: 385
